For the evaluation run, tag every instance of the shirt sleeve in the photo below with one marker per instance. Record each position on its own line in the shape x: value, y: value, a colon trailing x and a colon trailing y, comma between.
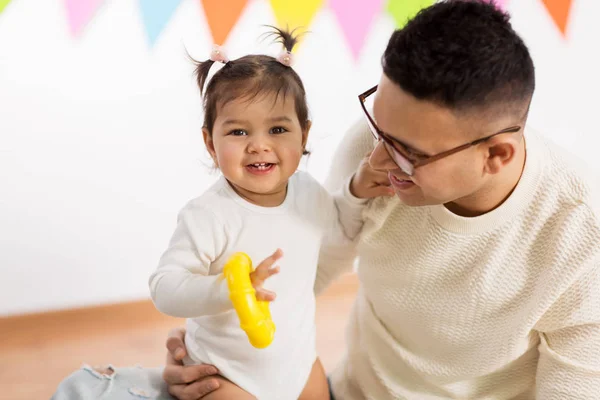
x: 350, y: 210
x: 339, y: 246
x: 569, y: 363
x: 182, y: 285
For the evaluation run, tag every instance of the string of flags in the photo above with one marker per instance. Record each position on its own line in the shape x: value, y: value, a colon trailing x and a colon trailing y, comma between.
x: 3, y: 4
x: 355, y: 17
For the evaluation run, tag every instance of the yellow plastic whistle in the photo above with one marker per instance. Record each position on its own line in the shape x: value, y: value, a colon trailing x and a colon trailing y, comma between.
x: 254, y: 315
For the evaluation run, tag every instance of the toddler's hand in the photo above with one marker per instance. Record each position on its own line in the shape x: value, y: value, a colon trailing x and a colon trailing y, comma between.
x: 368, y: 182
x: 264, y: 271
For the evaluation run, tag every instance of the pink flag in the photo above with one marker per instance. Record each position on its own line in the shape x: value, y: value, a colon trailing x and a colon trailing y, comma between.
x: 355, y: 18
x: 80, y: 12
x: 501, y: 4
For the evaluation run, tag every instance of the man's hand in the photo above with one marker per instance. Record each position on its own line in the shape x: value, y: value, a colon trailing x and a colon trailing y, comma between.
x: 191, y: 382
x: 368, y: 182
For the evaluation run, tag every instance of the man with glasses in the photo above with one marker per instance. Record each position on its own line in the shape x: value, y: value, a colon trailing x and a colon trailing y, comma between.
x: 480, y: 279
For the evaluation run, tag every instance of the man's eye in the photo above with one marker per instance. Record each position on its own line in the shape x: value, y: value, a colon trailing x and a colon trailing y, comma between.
x: 416, y: 156
x: 411, y: 154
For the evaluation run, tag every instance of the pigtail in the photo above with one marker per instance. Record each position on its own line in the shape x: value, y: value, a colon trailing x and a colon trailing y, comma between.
x: 201, y: 72
x: 289, y: 39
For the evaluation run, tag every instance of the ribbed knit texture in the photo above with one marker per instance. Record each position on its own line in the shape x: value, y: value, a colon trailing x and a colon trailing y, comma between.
x: 501, y: 306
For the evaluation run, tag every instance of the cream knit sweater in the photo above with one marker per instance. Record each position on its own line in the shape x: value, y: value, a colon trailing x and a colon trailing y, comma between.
x: 501, y: 306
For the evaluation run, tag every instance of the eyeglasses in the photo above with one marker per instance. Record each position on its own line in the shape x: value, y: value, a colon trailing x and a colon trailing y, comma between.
x: 406, y: 159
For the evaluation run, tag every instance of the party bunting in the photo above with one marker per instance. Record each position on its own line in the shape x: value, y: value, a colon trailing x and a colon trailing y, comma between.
x: 3, y: 4
x: 221, y: 19
x: 501, y: 4
x: 559, y: 11
x: 155, y: 15
x: 403, y: 10
x: 80, y: 12
x: 355, y: 18
x: 295, y: 14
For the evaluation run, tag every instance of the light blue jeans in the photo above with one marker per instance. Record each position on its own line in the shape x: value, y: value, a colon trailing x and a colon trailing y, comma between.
x: 123, y: 384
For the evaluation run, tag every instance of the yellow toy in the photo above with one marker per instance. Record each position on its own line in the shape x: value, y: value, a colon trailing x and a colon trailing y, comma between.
x: 255, y: 317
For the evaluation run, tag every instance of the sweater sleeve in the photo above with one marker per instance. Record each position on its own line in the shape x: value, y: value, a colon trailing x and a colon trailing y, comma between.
x: 355, y: 145
x: 569, y: 364
x: 182, y: 285
x: 338, y: 253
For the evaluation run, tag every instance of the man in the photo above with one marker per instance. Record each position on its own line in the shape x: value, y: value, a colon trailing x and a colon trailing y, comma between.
x: 480, y: 279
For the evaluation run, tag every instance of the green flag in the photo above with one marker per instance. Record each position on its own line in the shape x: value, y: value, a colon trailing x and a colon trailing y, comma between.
x: 404, y: 10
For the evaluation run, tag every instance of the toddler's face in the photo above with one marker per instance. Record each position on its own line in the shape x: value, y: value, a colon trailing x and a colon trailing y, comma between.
x: 258, y: 144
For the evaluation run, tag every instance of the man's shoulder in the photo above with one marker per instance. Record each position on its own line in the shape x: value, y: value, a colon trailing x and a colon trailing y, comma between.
x: 566, y: 208
x: 567, y: 179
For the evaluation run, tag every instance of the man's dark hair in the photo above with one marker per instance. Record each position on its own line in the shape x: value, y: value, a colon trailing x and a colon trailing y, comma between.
x: 462, y: 54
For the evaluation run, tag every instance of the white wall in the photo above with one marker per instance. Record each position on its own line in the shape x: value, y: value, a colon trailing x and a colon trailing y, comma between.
x: 100, y: 140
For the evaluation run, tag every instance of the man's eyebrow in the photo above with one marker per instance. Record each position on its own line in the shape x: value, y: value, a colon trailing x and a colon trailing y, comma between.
x: 407, y: 147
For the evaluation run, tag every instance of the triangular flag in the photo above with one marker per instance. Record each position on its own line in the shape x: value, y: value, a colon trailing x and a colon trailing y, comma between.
x: 501, y: 4
x: 80, y: 12
x: 221, y: 19
x: 295, y: 14
x: 559, y: 11
x: 3, y: 4
x: 156, y: 14
x: 355, y: 17
x: 403, y: 10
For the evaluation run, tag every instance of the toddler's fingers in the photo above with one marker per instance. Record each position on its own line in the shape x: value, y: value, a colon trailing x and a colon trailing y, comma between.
x: 264, y: 267
x: 265, y: 295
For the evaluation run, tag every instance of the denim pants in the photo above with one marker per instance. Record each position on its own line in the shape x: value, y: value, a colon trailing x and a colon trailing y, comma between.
x: 122, y: 384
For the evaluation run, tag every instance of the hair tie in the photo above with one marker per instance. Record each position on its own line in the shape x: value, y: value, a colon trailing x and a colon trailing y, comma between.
x: 220, y: 59
x: 286, y: 58
x: 218, y: 54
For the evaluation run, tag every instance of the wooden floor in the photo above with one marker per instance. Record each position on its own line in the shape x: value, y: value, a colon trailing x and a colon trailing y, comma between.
x: 38, y: 351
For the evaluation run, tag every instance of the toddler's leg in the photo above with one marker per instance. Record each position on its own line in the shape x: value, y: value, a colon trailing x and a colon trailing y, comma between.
x: 316, y: 388
x: 228, y: 390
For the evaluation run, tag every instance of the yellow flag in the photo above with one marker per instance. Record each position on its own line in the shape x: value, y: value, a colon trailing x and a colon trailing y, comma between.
x: 3, y: 4
x: 294, y: 14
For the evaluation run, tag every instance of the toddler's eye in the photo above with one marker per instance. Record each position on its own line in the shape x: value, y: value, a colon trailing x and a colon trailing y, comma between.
x: 238, y: 132
x: 278, y: 130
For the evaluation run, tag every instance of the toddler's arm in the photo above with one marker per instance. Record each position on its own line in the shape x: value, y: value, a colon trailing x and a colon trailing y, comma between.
x: 182, y: 285
x: 353, y: 181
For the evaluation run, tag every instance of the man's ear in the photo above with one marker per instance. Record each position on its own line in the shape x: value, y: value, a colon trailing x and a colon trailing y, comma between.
x: 500, y: 152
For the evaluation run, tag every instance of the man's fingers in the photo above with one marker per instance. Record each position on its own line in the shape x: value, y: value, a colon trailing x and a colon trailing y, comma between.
x: 176, y: 347
x: 176, y: 375
x: 194, y: 391
x: 202, y: 388
x: 384, y: 191
x: 177, y: 333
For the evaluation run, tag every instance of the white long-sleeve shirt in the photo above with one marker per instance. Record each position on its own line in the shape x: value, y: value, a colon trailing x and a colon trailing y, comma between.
x: 501, y: 306
x: 188, y: 281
